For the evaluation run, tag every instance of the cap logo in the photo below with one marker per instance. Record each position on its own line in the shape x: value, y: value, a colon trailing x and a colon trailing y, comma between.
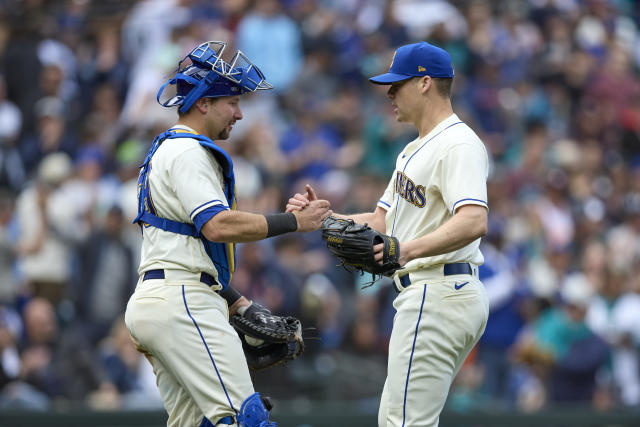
x: 393, y: 59
x: 421, y: 68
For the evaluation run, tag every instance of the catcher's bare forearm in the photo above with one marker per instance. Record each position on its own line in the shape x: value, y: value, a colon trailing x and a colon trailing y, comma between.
x: 239, y: 227
x: 235, y: 226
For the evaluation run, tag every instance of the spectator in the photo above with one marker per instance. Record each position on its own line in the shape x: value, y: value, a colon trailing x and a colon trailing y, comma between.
x: 58, y: 363
x: 51, y: 135
x: 8, y: 281
x: 271, y: 39
x: 505, y: 319
x: 43, y: 253
x: 10, y: 332
x: 107, y: 276
x: 12, y: 171
x: 128, y: 370
x: 560, y: 346
x: 614, y: 315
x: 573, y: 378
x: 309, y: 145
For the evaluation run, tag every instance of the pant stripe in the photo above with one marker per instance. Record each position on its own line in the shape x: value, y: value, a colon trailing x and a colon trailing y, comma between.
x: 415, y: 336
x: 184, y: 298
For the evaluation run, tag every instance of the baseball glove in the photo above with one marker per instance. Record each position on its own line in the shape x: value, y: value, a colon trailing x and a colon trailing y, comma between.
x: 353, y: 244
x: 268, y: 340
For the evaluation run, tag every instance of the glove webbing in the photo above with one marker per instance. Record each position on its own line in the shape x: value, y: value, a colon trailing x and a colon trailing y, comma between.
x: 282, y: 337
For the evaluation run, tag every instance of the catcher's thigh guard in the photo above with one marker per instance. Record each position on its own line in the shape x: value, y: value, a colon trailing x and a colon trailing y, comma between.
x: 253, y: 413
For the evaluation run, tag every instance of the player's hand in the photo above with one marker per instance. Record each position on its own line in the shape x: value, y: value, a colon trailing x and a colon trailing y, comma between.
x: 300, y: 201
x: 241, y: 302
x: 378, y: 252
x: 297, y: 203
x: 310, y: 218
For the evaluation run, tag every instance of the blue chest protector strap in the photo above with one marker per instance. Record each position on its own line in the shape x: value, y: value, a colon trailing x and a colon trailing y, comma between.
x: 222, y: 254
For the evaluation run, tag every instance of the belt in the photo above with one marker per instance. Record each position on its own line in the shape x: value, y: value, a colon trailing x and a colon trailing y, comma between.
x: 205, y: 278
x: 447, y: 270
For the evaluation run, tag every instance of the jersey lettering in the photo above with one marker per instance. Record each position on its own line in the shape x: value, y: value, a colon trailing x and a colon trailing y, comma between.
x: 408, y: 190
x: 400, y: 181
x: 420, y: 197
x: 408, y: 193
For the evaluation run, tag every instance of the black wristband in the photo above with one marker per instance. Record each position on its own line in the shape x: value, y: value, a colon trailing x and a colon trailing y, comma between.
x: 230, y: 295
x: 281, y: 223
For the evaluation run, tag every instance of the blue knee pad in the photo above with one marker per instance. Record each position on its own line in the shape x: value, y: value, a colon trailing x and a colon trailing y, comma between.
x: 253, y: 413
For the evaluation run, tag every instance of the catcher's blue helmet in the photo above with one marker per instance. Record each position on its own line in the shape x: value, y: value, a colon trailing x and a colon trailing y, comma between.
x: 209, y: 76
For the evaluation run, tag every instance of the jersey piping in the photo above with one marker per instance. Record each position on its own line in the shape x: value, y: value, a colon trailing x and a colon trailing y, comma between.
x: 395, y: 215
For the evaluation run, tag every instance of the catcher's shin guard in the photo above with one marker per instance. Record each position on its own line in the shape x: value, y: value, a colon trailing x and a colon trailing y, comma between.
x: 254, y: 413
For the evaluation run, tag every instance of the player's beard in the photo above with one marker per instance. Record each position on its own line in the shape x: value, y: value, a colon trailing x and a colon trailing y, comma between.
x: 225, y: 132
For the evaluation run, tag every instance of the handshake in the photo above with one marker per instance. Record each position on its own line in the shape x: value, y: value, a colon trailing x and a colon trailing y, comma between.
x: 308, y: 210
x: 358, y: 246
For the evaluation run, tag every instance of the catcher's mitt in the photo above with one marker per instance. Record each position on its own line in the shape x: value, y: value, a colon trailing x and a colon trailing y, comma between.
x: 353, y: 244
x: 268, y: 340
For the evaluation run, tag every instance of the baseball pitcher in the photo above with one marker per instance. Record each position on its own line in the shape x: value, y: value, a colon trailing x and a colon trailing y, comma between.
x: 425, y: 233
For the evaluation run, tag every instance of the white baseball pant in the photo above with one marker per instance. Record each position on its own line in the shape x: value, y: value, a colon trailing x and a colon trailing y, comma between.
x: 200, y: 368
x: 435, y: 328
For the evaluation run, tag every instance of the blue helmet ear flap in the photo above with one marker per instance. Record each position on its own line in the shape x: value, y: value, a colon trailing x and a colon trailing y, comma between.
x: 182, y: 80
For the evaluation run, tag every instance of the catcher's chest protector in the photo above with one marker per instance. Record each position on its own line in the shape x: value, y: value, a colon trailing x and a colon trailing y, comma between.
x: 222, y: 254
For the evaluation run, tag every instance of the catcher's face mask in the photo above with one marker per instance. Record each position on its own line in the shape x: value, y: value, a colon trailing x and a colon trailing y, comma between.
x: 206, y: 75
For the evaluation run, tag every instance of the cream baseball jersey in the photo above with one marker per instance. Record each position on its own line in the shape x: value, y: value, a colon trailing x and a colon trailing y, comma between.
x: 434, y: 176
x: 182, y: 186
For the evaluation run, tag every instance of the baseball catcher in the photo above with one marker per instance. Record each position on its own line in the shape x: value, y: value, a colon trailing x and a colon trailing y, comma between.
x: 190, y: 224
x: 267, y: 340
x: 353, y: 244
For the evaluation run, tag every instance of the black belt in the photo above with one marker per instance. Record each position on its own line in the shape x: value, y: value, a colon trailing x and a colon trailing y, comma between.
x: 205, y: 278
x: 448, y: 270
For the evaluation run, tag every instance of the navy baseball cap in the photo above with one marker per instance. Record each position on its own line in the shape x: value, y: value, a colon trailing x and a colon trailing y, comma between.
x: 416, y: 60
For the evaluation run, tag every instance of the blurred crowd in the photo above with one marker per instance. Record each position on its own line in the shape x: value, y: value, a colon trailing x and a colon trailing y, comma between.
x: 551, y: 86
